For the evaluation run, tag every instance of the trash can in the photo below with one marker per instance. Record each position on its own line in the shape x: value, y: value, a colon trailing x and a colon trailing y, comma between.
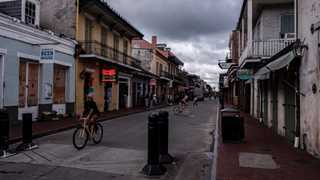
x: 232, y: 125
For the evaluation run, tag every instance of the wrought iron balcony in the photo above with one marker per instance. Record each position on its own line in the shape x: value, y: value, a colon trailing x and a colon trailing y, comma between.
x: 166, y: 74
x: 99, y: 49
x: 264, y: 49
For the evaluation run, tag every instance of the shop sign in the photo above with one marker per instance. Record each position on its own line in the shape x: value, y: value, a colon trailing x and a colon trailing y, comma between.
x: 47, y: 54
x: 244, y: 74
x: 109, y: 75
x: 153, y: 82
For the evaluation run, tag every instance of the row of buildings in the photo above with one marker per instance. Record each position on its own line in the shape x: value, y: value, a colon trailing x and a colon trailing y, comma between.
x: 53, y: 53
x: 274, y: 68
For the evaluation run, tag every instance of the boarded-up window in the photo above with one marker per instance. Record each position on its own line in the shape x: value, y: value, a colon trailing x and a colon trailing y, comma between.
x: 22, y: 83
x: 59, y: 84
x: 33, y: 73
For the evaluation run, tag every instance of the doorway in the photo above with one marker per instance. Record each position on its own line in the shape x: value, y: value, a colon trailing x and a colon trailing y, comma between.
x: 290, y: 107
x: 107, y: 96
x: 28, y: 88
x: 123, y: 94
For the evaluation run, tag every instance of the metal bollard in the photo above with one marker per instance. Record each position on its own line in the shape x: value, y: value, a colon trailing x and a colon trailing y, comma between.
x: 163, y: 123
x: 4, y: 133
x: 153, y: 168
x: 27, y: 143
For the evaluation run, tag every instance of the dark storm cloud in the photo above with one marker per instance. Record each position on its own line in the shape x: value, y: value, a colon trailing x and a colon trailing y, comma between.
x: 180, y: 19
x: 196, y: 30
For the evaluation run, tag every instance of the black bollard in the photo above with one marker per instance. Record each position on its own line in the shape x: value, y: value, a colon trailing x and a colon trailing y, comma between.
x: 153, y: 168
x: 163, y: 123
x: 26, y: 133
x: 4, y: 132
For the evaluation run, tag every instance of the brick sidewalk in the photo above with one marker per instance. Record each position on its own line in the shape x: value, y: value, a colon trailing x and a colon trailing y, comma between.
x: 291, y: 164
x: 44, y: 128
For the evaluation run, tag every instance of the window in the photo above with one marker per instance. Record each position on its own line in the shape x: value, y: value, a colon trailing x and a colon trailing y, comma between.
x: 30, y: 13
x: 104, y: 41
x: 116, y: 46
x: 59, y: 84
x: 287, y: 24
x: 125, y: 51
x: 88, y: 35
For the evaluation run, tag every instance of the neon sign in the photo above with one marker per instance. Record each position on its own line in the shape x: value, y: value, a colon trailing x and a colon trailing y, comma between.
x: 109, y: 75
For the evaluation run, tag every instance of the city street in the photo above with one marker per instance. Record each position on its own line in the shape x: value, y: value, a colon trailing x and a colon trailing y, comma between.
x: 123, y: 151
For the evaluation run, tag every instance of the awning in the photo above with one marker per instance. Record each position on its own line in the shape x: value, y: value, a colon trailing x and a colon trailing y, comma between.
x: 283, y: 61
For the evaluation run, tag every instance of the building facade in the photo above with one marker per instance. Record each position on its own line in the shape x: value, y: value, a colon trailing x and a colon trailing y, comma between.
x: 308, y: 32
x: 104, y: 65
x: 161, y: 62
x: 37, y: 70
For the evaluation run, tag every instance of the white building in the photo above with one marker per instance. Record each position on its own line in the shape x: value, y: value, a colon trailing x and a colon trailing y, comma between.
x: 309, y: 32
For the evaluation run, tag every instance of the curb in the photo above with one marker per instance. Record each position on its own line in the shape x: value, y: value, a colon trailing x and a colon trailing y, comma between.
x: 55, y: 131
x: 215, y: 147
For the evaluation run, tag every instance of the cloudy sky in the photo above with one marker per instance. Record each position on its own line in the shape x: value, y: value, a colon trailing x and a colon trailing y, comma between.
x: 196, y: 30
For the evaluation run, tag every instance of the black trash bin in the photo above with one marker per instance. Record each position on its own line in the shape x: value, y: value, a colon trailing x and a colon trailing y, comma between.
x: 232, y: 125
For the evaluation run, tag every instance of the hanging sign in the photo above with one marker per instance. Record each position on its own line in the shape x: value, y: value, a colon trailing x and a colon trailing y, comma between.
x: 109, y: 75
x: 47, y: 54
x: 244, y: 74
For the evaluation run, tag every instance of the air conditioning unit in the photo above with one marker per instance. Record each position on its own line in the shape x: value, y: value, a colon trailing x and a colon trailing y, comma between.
x: 290, y: 35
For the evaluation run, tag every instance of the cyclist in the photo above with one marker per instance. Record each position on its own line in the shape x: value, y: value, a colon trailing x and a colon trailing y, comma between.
x: 183, y: 102
x: 91, y: 111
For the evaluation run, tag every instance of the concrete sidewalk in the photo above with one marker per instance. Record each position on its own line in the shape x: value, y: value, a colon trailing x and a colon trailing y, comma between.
x: 264, y: 156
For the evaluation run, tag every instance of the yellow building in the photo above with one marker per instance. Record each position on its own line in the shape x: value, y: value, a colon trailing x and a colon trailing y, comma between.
x: 104, y: 66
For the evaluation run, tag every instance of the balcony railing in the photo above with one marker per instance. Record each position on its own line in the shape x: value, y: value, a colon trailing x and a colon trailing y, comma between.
x: 99, y: 49
x: 265, y: 49
x: 166, y: 74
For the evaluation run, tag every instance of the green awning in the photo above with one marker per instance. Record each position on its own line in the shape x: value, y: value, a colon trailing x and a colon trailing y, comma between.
x: 281, y: 62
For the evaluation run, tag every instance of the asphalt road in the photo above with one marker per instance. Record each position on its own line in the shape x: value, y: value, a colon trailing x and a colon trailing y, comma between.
x: 122, y: 153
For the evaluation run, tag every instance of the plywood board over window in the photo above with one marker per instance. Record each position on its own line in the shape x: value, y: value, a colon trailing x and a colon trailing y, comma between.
x: 33, y: 81
x: 59, y: 84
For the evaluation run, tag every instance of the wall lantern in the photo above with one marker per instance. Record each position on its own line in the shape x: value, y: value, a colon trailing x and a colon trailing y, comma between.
x: 299, y: 48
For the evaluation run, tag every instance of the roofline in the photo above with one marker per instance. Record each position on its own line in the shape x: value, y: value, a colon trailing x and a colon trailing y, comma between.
x: 241, y: 13
x: 116, y: 14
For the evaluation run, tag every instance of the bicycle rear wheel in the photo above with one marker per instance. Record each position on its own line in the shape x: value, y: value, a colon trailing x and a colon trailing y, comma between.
x: 80, y: 138
x: 97, y: 134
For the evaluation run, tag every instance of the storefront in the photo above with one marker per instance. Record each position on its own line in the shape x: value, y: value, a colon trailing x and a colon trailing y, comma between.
x: 36, y: 71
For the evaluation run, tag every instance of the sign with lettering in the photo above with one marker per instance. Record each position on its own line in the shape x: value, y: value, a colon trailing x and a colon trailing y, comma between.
x: 244, y: 74
x: 109, y: 75
x: 47, y: 54
x: 152, y: 82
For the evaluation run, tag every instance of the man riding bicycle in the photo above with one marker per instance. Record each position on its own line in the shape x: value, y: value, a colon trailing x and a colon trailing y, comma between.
x: 91, y: 111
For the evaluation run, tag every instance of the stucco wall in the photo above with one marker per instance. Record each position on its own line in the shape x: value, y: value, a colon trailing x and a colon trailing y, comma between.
x: 59, y: 16
x: 309, y: 13
x: 11, y: 71
x: 270, y: 21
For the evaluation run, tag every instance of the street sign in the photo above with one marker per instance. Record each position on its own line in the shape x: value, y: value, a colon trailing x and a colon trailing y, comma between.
x: 47, y: 54
x: 244, y: 74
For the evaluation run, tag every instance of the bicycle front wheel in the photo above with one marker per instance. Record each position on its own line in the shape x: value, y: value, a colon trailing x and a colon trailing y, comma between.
x: 97, y: 134
x: 80, y: 138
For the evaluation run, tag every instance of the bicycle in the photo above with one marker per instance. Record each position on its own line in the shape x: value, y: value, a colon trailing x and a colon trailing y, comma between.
x: 180, y: 108
x: 87, y: 131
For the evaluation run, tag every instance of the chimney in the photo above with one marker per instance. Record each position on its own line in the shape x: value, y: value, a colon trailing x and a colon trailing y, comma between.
x: 154, y: 41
